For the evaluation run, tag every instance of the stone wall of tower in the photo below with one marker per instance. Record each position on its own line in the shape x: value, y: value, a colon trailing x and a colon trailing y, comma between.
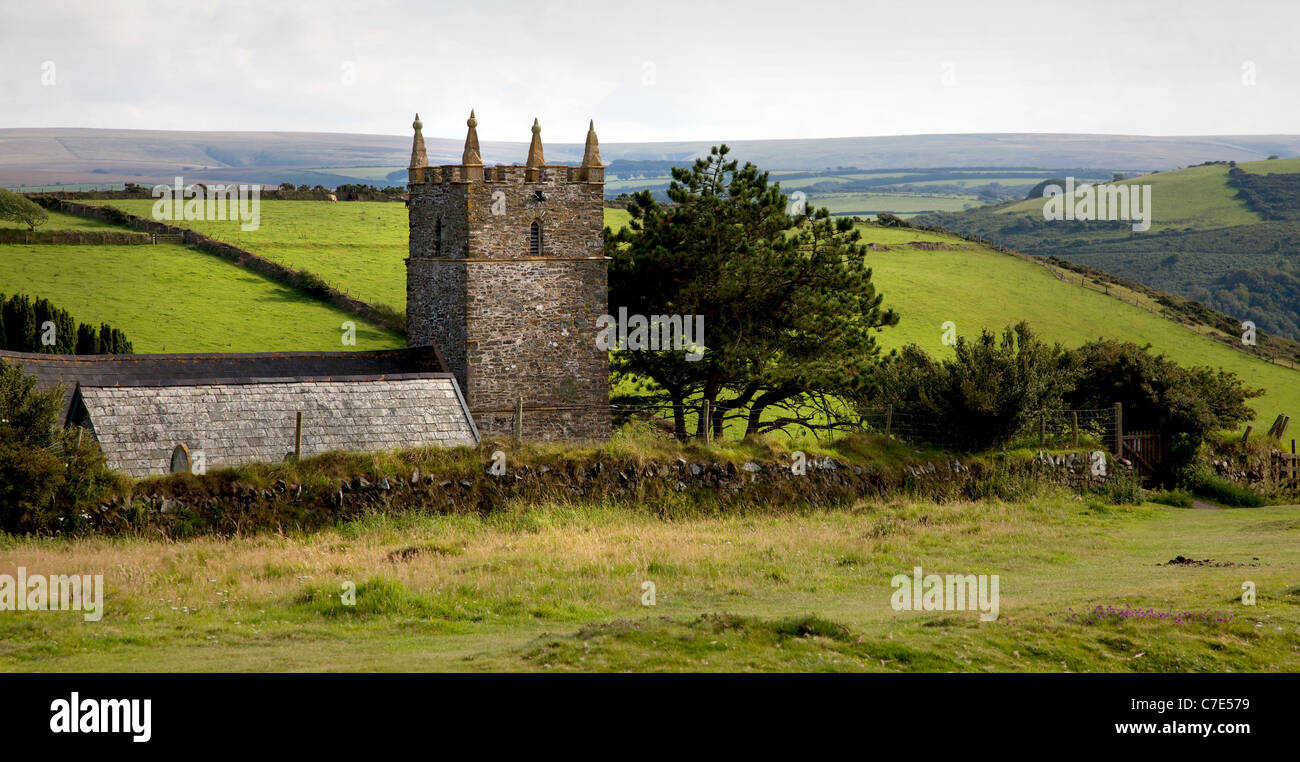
x: 510, y: 324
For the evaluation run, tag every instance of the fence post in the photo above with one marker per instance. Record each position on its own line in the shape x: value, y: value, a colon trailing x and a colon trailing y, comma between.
x: 1074, y: 429
x: 1286, y: 421
x: 1119, y: 430
x: 706, y: 422
x: 889, y: 421
x: 1245, y: 437
x: 517, y: 421
x: 1293, y: 465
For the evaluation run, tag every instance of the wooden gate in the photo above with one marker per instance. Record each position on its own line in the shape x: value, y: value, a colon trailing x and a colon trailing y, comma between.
x: 1147, y: 451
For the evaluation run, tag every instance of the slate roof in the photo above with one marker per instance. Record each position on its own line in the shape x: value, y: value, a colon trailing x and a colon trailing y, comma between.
x: 138, y: 425
x: 126, y: 370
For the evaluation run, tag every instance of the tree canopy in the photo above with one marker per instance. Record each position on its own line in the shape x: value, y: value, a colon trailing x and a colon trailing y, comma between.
x: 787, y: 302
x: 18, y: 208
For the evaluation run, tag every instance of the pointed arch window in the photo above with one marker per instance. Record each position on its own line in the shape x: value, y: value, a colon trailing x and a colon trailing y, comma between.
x: 535, y: 239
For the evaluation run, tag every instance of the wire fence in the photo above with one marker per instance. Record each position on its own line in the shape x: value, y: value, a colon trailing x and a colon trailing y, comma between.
x: 1095, y: 428
x: 66, y: 188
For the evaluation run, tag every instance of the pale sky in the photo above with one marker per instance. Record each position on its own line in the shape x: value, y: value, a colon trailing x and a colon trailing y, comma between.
x: 662, y: 70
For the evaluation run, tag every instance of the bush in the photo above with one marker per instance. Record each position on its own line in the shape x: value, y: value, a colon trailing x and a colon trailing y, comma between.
x: 47, y: 475
x: 29, y: 481
x: 1186, y: 404
x: 1177, y: 498
x: 115, y: 215
x: 1218, y: 489
x: 1122, y: 488
x: 985, y: 395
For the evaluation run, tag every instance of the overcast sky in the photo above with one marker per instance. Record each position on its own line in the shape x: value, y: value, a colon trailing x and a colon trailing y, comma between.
x: 659, y: 70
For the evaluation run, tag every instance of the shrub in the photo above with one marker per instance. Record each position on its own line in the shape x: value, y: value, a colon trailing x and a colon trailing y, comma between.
x: 1177, y: 498
x: 1186, y: 404
x: 47, y: 475
x: 1218, y: 489
x: 115, y: 215
x: 1122, y: 488
x: 29, y: 480
x: 985, y: 395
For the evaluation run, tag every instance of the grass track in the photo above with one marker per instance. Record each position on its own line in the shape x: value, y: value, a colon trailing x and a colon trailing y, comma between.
x: 558, y: 587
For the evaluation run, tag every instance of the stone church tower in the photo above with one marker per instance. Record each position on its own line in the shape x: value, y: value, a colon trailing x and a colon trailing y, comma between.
x: 507, y: 275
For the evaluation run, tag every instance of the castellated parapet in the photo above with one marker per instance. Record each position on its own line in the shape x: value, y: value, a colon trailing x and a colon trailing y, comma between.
x: 507, y: 275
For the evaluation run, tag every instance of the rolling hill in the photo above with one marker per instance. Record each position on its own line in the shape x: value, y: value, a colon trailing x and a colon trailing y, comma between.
x: 1224, y: 235
x: 171, y: 298
x: 44, y: 156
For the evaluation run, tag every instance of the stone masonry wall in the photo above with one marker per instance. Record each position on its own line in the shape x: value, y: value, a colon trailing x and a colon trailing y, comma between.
x: 571, y: 214
x: 532, y: 333
x: 509, y: 324
x: 435, y: 309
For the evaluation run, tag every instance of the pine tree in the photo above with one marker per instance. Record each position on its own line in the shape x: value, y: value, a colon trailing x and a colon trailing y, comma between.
x: 21, y: 329
x: 20, y: 324
x: 106, y: 339
x: 787, y: 303
x: 87, y: 341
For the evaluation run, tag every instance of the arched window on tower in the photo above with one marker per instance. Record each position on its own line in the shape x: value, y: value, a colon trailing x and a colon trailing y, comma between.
x: 535, y: 239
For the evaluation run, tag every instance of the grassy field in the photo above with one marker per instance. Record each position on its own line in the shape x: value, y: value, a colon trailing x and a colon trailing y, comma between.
x: 617, y: 219
x: 1279, y: 166
x: 560, y: 588
x: 356, y: 246
x: 61, y: 221
x: 170, y: 298
x: 904, y: 204
x: 979, y: 288
x: 1196, y: 197
x: 1205, y: 244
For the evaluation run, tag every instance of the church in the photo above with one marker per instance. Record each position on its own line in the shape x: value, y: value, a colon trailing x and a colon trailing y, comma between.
x: 505, y: 278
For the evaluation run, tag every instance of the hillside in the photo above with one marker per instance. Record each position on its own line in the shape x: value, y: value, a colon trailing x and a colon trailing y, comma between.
x: 940, y: 278
x: 358, y: 246
x: 171, y: 298
x: 45, y: 156
x: 1225, y: 236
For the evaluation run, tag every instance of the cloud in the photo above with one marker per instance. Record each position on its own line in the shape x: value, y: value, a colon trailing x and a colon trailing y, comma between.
x: 667, y: 71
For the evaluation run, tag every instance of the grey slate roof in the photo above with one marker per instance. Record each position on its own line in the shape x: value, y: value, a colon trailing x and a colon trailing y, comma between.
x: 139, y: 424
x: 111, y: 370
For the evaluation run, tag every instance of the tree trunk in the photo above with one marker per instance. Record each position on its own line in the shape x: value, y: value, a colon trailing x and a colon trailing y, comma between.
x: 764, y: 401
